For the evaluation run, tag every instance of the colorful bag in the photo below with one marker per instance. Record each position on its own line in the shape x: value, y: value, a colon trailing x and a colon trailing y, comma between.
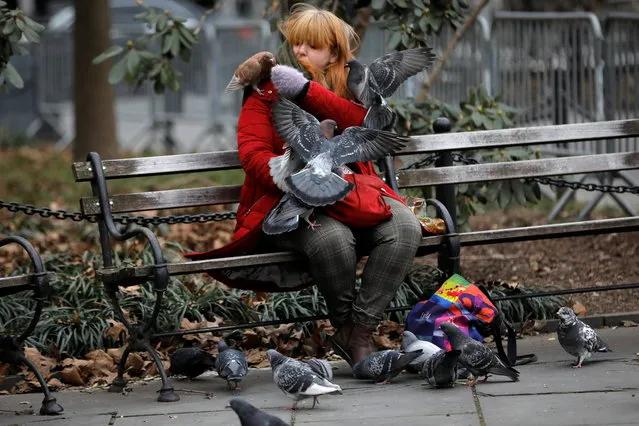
x: 470, y: 308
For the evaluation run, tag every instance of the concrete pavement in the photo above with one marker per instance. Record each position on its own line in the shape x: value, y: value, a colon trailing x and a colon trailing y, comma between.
x: 603, y: 392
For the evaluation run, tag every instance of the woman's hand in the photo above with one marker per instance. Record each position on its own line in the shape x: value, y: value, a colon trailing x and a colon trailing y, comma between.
x: 288, y: 81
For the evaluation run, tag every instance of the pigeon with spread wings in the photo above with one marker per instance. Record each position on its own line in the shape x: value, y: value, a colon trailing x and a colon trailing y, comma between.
x: 320, y: 182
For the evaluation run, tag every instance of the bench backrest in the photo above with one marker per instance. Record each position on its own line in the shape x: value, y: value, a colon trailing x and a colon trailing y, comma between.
x: 228, y: 160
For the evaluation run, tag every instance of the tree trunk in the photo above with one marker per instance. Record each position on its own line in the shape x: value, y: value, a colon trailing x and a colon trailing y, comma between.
x: 95, y: 128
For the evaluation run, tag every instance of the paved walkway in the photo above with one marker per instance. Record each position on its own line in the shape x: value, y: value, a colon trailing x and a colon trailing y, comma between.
x: 603, y: 392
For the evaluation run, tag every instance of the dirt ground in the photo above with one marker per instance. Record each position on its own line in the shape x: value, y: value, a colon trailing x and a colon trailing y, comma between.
x: 564, y: 262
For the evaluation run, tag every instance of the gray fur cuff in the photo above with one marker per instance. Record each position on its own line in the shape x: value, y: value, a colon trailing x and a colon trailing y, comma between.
x: 288, y: 81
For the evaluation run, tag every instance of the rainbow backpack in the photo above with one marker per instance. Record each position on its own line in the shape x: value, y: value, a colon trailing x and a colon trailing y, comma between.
x: 470, y: 308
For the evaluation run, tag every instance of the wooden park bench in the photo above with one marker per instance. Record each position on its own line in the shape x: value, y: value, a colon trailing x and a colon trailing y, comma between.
x: 12, y: 347
x: 103, y: 204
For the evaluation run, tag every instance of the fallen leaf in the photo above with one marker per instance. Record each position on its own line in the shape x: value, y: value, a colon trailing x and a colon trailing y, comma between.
x: 71, y: 375
x: 579, y: 309
x: 628, y: 323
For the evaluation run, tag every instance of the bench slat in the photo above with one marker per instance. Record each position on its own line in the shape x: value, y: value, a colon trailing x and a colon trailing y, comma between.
x: 518, y: 169
x: 159, y: 200
x: 529, y: 233
x: 522, y: 136
x: 163, y: 164
x: 19, y: 282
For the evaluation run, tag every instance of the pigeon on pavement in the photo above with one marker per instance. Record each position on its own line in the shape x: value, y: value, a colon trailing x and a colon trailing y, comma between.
x: 382, y: 366
x: 478, y: 358
x: 251, y: 72
x: 440, y: 369
x: 252, y: 416
x: 231, y: 364
x: 320, y: 182
x: 410, y: 342
x: 371, y: 84
x: 297, y: 380
x: 577, y: 338
x: 191, y: 362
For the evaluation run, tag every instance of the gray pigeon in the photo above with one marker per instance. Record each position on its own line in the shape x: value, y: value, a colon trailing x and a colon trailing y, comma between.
x: 231, y: 364
x: 297, y: 380
x: 440, y: 369
x: 410, y: 342
x: 371, y: 84
x: 382, y: 366
x: 478, y: 358
x: 320, y: 182
x: 191, y: 362
x: 577, y: 338
x: 252, y: 416
x: 321, y: 367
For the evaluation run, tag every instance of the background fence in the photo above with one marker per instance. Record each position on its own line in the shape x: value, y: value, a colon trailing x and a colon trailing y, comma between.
x: 555, y: 68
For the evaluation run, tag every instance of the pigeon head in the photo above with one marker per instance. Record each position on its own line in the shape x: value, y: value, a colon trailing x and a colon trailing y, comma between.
x: 328, y: 128
x: 408, y: 338
x: 566, y: 316
x: 454, y: 334
x: 222, y: 346
x: 356, y: 71
x: 275, y: 358
x: 242, y: 407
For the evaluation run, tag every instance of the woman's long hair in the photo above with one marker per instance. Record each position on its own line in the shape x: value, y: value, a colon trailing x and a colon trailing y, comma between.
x: 321, y: 28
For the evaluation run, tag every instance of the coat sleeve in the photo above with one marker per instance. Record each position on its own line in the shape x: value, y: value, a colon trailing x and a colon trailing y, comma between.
x: 255, y: 141
x: 324, y: 104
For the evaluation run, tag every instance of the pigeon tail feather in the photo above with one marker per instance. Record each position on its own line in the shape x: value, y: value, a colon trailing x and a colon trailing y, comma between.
x: 234, y: 84
x: 379, y: 117
x: 305, y: 186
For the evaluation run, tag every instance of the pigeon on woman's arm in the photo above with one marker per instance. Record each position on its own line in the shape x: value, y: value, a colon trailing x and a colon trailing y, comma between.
x: 478, y: 358
x: 252, y: 71
x: 371, y: 84
x: 578, y: 338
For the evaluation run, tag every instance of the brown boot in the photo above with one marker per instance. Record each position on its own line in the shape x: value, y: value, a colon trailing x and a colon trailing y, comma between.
x: 353, y: 342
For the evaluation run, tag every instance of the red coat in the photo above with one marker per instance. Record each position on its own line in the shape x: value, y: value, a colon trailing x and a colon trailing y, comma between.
x: 258, y: 142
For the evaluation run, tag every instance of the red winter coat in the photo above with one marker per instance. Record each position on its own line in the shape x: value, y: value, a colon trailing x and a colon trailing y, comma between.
x: 258, y: 142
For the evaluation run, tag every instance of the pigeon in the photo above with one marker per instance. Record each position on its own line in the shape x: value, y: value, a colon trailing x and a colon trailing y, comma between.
x: 410, y: 342
x: 371, y: 84
x: 320, y: 182
x: 251, y: 72
x: 252, y: 416
x: 382, y: 366
x: 577, y: 338
x: 477, y: 357
x: 440, y: 369
x: 191, y: 362
x: 297, y: 380
x: 321, y: 367
x: 286, y: 215
x: 231, y: 364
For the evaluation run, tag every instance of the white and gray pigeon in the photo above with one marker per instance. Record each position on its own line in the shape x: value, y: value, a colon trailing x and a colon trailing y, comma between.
x: 320, y: 182
x: 231, y: 365
x: 440, y: 369
x: 371, y: 84
x: 297, y: 380
x: 382, y: 366
x: 286, y: 215
x: 321, y: 367
x: 478, y: 358
x: 410, y: 342
x: 577, y: 338
x: 252, y: 416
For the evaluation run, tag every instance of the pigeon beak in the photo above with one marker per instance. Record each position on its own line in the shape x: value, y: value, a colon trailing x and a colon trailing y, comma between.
x: 347, y: 66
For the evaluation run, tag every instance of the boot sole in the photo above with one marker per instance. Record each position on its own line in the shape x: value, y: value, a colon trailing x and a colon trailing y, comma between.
x: 340, y: 351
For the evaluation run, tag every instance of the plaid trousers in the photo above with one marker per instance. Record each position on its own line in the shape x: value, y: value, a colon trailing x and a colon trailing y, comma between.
x: 332, y: 250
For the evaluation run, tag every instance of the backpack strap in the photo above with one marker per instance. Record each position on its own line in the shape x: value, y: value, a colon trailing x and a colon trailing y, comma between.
x: 511, y: 358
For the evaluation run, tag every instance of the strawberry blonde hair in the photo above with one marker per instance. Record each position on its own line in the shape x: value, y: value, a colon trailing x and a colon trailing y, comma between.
x: 321, y: 28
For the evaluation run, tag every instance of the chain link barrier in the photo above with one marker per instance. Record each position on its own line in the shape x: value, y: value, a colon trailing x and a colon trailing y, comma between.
x: 121, y: 219
x: 560, y: 183
x: 428, y: 160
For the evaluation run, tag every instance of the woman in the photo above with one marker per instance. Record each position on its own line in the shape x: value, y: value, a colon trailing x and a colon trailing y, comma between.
x: 312, y: 73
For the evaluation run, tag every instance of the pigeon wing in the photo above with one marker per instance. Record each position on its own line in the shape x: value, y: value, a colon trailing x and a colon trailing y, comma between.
x: 361, y: 144
x: 391, y: 70
x: 283, y: 166
x: 301, y: 131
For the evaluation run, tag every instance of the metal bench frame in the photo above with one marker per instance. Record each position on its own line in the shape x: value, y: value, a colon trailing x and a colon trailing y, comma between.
x: 12, y: 347
x: 103, y: 206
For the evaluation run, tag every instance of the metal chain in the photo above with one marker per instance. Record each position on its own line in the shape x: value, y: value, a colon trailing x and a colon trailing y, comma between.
x: 122, y: 219
x: 426, y: 161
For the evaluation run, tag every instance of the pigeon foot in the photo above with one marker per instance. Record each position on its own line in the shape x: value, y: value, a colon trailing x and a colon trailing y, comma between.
x: 312, y: 225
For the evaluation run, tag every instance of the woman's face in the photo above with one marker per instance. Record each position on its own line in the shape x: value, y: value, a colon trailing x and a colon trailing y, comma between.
x: 319, y: 58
